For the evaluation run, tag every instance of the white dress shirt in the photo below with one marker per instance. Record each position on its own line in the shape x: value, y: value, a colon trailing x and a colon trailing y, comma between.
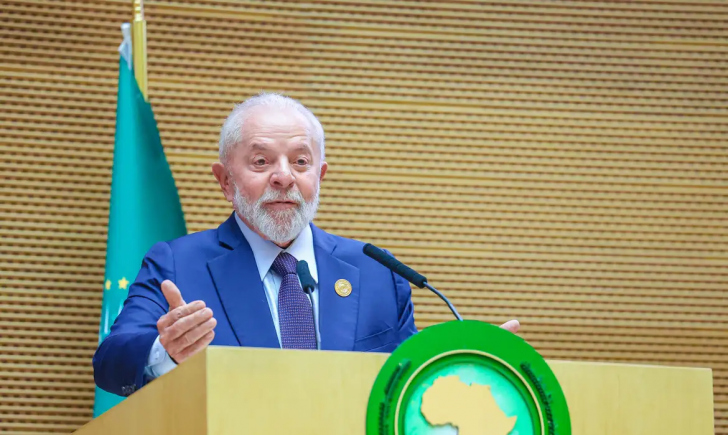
x: 265, y: 252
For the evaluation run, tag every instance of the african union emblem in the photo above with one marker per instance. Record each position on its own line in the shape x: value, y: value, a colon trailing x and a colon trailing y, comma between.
x: 466, y: 378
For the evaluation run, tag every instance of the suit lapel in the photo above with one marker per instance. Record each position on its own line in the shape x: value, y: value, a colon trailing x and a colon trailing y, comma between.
x: 337, y: 315
x: 240, y: 289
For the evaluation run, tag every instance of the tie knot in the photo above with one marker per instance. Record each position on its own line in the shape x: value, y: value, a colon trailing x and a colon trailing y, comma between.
x: 285, y: 264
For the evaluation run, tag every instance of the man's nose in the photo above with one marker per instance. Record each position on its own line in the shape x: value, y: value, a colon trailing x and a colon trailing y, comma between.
x: 282, y: 178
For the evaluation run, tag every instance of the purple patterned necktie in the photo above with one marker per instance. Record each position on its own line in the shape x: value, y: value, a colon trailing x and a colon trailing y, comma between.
x: 294, y: 308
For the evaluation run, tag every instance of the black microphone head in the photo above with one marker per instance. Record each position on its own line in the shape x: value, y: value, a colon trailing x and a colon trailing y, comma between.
x: 394, y: 265
x: 373, y: 251
x: 304, y: 275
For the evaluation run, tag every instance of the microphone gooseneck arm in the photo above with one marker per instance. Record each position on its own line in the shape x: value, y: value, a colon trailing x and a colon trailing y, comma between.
x: 406, y: 272
x: 308, y: 284
x: 447, y: 301
x: 315, y: 326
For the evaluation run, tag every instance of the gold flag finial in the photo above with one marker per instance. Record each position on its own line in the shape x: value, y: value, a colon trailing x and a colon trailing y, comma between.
x: 139, y: 43
x: 138, y: 10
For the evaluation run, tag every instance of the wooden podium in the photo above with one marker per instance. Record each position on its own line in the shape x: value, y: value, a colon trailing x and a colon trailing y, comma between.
x: 270, y: 391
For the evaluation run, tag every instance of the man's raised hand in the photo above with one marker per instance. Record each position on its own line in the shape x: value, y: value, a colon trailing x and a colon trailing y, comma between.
x: 511, y: 325
x: 186, y: 328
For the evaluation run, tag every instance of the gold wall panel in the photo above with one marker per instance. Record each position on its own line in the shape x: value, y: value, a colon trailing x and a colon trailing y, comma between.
x: 564, y: 163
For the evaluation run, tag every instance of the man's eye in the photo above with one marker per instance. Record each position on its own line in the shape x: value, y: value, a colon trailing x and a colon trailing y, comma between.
x: 302, y: 162
x: 259, y: 162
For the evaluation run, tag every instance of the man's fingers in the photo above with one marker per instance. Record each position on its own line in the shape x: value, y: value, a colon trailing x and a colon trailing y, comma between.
x: 172, y: 294
x: 193, y: 335
x: 177, y: 314
x: 186, y: 325
x: 511, y: 325
x: 196, y: 347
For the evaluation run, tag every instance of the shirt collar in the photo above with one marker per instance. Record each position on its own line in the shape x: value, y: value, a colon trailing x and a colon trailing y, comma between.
x: 265, y: 251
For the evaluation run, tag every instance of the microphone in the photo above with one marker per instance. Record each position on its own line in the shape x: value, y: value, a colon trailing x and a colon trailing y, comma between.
x: 406, y: 272
x: 304, y: 275
x: 308, y: 284
x: 395, y: 265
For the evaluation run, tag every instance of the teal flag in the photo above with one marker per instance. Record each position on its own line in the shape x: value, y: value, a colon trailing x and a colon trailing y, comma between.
x: 144, y: 206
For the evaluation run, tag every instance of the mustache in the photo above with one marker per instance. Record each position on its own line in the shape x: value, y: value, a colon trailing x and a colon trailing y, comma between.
x: 271, y: 195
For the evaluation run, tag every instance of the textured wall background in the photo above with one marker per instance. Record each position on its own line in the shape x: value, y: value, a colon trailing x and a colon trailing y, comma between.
x: 562, y: 162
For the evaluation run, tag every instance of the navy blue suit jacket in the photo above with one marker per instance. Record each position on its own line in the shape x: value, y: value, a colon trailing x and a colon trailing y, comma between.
x: 218, y: 267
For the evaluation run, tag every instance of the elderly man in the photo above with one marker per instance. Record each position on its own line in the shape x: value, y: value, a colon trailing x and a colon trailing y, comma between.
x: 240, y: 279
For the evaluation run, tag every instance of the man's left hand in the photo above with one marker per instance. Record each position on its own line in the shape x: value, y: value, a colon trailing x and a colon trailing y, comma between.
x: 511, y: 325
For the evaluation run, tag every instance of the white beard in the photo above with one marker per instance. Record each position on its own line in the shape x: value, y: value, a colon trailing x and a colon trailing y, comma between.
x: 279, y: 226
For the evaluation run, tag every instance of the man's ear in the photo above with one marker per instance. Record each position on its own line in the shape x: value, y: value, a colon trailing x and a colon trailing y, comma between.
x: 223, y: 178
x: 324, y: 168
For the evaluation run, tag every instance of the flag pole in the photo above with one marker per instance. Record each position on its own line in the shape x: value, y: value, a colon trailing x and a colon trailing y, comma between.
x: 139, y: 43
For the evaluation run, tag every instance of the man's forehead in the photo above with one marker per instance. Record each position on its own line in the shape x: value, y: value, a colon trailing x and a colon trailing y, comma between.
x: 275, y: 119
x: 299, y: 143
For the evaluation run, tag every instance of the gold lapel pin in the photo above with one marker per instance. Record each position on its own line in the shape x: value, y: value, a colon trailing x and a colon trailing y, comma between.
x: 343, y: 288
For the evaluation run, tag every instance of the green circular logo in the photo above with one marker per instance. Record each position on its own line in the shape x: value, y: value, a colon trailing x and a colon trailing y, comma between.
x: 466, y: 378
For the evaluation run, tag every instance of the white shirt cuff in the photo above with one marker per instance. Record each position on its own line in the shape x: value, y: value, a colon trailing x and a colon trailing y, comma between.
x: 159, y: 361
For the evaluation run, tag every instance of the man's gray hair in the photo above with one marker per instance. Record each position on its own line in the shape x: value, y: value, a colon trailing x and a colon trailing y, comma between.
x: 232, y: 130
